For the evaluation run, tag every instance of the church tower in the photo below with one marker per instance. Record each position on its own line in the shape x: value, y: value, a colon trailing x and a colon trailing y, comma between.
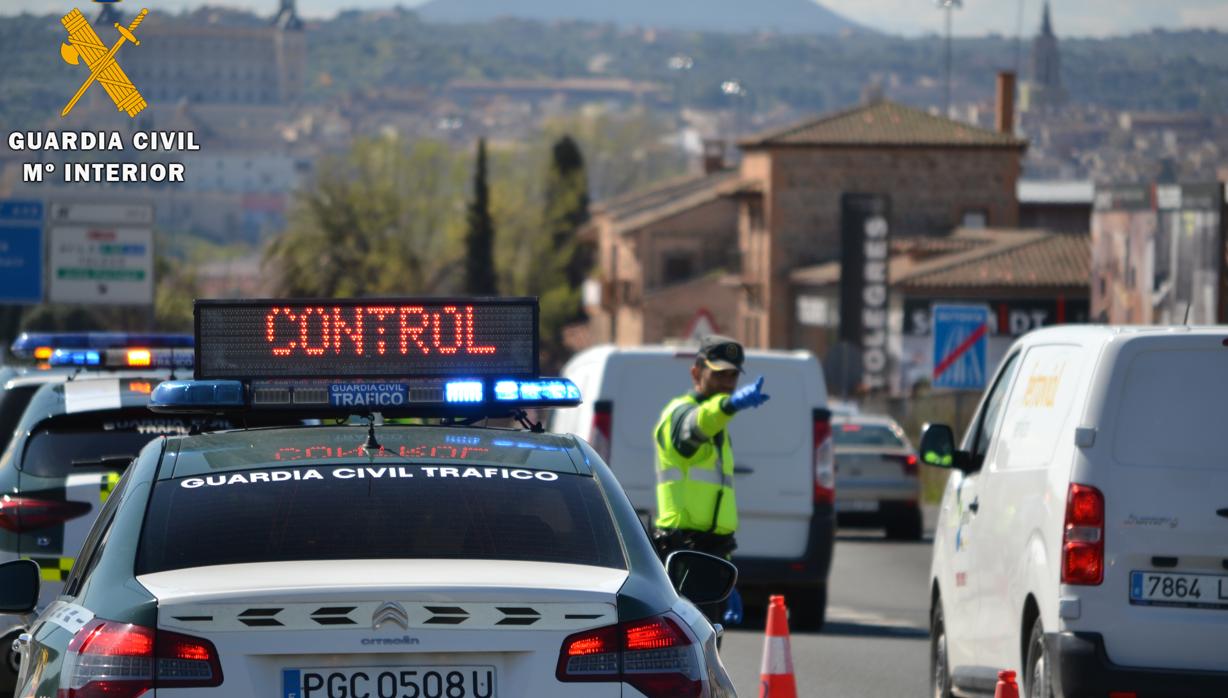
x: 1044, y: 90
x: 291, y: 49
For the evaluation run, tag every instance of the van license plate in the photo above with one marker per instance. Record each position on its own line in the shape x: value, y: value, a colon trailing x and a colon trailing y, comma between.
x: 398, y: 681
x: 856, y: 505
x: 1175, y: 589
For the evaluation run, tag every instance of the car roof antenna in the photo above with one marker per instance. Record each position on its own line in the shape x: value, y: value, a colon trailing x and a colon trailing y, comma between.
x: 523, y: 417
x: 1187, y: 312
x: 371, y: 446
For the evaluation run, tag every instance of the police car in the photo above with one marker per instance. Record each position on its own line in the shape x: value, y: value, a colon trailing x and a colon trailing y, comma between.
x: 78, y: 352
x: 371, y: 560
x: 71, y: 423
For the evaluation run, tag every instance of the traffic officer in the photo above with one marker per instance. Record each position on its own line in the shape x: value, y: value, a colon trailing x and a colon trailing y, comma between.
x: 696, y: 505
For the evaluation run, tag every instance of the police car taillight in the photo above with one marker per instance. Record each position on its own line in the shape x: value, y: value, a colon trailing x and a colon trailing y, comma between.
x: 109, y: 659
x: 21, y: 514
x: 654, y: 655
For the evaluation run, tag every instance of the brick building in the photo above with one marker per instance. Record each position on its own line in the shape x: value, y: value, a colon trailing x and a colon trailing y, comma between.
x: 664, y: 255
x: 936, y: 174
x: 759, y: 247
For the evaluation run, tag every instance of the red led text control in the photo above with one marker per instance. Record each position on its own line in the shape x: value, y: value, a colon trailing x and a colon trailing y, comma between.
x: 364, y: 330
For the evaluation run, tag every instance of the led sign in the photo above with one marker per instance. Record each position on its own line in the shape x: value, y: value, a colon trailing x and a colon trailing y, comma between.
x: 475, y: 337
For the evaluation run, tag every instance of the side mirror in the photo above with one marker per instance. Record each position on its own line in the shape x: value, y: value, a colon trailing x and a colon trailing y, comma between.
x: 19, y: 581
x: 700, y: 577
x: 938, y: 445
x: 938, y: 449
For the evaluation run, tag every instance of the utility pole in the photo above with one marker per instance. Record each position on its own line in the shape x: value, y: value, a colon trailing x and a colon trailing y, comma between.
x: 949, y: 6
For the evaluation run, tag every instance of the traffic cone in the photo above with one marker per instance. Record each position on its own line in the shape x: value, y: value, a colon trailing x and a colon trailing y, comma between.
x: 776, y: 675
x: 1006, y: 688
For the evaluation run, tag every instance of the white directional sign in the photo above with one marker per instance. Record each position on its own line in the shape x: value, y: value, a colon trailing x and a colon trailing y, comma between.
x: 101, y: 264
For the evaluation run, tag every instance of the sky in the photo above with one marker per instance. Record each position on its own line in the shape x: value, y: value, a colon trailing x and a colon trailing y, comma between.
x: 906, y: 17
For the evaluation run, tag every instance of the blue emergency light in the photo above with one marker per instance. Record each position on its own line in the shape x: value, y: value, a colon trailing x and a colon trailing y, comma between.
x: 132, y: 358
x: 432, y: 357
x: 43, y: 345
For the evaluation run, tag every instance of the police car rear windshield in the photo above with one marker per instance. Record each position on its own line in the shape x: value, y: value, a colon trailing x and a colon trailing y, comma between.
x: 212, y: 453
x: 366, y: 509
x: 101, y: 440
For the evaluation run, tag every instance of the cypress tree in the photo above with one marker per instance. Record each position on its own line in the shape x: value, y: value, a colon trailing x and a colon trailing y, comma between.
x: 567, y: 210
x: 480, y: 238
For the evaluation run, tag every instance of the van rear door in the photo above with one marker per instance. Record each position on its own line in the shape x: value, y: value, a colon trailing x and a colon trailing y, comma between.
x: 1166, y: 503
x: 772, y: 445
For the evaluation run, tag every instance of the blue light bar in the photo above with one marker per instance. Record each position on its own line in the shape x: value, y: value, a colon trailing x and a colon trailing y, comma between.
x: 28, y: 343
x: 174, y: 396
x: 551, y: 390
x: 468, y: 397
x: 467, y: 391
x: 134, y: 358
x: 75, y: 357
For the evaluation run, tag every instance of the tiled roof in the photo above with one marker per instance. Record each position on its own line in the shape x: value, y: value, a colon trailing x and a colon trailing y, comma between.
x: 884, y: 124
x: 634, y: 202
x: 972, y: 259
x: 639, y: 208
x: 1043, y: 260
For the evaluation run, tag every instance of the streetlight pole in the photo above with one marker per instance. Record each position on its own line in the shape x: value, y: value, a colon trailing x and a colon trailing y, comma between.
x: 949, y: 6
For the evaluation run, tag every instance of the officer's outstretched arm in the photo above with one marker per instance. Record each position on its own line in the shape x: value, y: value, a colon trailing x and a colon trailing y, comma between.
x: 691, y: 426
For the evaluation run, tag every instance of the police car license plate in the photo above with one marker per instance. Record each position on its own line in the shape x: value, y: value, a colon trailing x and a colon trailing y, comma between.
x: 1175, y: 589
x: 390, y: 682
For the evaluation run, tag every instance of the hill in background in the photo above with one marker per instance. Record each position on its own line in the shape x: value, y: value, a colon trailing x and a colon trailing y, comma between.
x: 784, y: 16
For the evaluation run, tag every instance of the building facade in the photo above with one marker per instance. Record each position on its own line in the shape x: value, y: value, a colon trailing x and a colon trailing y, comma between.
x: 666, y: 255
x: 215, y: 56
x: 936, y: 174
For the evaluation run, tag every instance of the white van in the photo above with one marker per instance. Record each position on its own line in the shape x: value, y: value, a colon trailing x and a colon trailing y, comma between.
x: 1083, y: 540
x: 784, y: 463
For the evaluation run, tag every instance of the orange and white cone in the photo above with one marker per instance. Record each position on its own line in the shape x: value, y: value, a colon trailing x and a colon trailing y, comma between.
x: 776, y: 675
x: 1006, y: 688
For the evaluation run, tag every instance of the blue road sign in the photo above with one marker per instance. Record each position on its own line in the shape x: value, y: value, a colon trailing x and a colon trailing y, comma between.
x: 961, y: 343
x: 21, y: 251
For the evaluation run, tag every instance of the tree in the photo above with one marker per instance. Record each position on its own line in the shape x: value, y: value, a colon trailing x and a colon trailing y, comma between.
x: 563, y: 261
x: 566, y: 209
x: 384, y: 218
x: 480, y: 272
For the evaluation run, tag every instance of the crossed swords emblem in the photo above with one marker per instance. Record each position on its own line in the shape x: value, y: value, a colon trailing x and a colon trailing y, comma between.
x: 83, y: 42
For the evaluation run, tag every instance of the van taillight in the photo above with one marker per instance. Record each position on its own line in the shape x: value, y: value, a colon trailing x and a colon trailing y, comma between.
x: 823, y: 459
x: 21, y: 514
x: 654, y: 655
x: 1083, y: 536
x: 603, y: 428
x: 108, y: 659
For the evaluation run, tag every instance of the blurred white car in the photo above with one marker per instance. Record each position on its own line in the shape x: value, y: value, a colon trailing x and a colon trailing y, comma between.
x: 877, y: 477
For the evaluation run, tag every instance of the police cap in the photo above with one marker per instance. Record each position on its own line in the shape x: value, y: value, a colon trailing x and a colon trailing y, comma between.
x: 721, y: 353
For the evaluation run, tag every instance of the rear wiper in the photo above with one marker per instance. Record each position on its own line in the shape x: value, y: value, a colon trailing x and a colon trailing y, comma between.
x: 113, y: 462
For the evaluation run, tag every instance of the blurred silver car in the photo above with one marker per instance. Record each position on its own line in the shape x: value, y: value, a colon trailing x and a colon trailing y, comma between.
x: 878, y: 483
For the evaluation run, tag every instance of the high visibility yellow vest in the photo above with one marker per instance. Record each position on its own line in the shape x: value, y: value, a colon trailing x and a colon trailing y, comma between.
x: 695, y: 492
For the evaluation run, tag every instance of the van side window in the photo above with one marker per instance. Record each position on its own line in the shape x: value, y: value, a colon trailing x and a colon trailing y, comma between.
x: 991, y: 416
